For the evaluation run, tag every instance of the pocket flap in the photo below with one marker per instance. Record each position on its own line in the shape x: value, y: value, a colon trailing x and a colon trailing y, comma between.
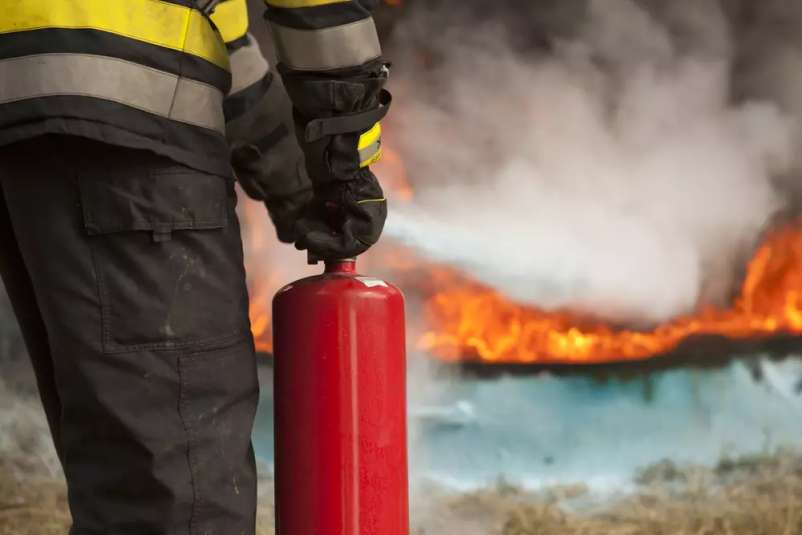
x: 157, y: 200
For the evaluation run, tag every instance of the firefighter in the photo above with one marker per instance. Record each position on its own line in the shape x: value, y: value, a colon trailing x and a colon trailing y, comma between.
x: 120, y: 245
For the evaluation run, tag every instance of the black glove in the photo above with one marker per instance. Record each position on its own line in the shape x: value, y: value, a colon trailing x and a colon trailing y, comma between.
x: 286, y: 191
x: 336, y: 123
x: 344, y: 219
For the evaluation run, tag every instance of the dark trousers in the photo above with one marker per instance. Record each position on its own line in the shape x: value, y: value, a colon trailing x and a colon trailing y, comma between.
x: 125, y: 272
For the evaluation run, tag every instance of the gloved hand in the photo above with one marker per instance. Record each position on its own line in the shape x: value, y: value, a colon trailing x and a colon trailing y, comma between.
x: 286, y: 191
x: 337, y: 126
x: 344, y: 219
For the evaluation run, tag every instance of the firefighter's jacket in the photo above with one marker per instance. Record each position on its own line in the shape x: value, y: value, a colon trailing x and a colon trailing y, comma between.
x: 156, y: 74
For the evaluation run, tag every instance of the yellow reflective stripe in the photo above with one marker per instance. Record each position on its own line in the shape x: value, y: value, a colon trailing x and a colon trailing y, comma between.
x: 231, y: 18
x: 372, y: 200
x: 370, y: 137
x: 348, y: 45
x: 131, y: 84
x: 302, y: 3
x: 159, y: 23
x: 370, y: 146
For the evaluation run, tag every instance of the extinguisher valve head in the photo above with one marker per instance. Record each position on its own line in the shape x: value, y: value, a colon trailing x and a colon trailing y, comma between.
x: 345, y: 265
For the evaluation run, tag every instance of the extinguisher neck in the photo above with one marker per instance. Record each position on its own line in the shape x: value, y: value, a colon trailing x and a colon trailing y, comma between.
x: 346, y: 265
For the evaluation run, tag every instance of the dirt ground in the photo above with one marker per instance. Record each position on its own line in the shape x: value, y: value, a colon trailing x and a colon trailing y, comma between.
x: 760, y: 495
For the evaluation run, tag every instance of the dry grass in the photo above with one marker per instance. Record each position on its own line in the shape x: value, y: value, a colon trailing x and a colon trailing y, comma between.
x: 32, y: 506
x: 760, y: 495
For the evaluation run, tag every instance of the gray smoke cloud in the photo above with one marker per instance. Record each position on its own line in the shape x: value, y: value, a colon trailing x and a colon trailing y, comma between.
x: 626, y: 172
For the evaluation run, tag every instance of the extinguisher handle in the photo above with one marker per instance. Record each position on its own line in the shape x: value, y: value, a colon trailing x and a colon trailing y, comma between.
x: 312, y: 259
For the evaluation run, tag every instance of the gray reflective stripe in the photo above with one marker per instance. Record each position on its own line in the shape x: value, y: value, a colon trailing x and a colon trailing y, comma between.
x: 140, y: 87
x: 348, y: 45
x: 370, y: 151
x: 248, y: 66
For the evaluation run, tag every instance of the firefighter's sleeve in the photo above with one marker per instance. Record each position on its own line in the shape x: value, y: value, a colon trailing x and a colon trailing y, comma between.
x: 330, y: 60
x: 266, y: 158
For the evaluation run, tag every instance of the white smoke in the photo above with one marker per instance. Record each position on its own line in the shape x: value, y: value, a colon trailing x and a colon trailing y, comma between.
x: 26, y: 449
x: 613, y: 176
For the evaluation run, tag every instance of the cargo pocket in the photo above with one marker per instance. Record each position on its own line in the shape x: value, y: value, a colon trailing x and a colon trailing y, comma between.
x: 168, y: 258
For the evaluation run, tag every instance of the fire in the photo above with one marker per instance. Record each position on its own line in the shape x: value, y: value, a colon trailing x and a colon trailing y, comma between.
x: 464, y: 320
x: 263, y: 286
x: 467, y: 319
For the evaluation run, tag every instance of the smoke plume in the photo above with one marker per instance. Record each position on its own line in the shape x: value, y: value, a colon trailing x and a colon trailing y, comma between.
x: 600, y: 156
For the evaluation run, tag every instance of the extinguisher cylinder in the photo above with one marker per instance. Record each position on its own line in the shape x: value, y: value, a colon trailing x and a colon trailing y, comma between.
x: 340, y: 406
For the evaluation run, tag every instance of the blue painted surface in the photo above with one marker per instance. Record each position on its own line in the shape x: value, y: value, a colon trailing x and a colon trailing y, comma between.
x: 548, y: 430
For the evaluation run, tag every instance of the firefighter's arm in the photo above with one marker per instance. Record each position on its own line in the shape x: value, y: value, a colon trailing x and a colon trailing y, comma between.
x: 330, y: 60
x: 266, y: 158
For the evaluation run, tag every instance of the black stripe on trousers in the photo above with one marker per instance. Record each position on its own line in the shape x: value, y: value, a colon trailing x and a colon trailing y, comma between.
x: 96, y: 42
x: 116, y: 124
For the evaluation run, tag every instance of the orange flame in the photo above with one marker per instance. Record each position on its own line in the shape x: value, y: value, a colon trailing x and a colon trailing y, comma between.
x: 469, y: 319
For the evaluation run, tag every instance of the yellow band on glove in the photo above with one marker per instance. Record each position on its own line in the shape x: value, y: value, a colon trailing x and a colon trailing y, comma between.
x: 370, y: 146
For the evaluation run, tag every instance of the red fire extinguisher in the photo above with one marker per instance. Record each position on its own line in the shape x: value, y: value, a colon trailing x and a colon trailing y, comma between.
x: 340, y: 405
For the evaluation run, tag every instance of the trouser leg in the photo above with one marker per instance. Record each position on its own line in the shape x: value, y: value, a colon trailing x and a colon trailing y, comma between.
x: 20, y: 292
x: 137, y: 268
